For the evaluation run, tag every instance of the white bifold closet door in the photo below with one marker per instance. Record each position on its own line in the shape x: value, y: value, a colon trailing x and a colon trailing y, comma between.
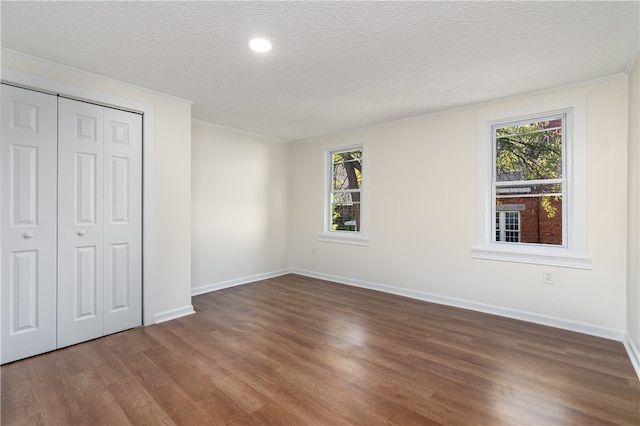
x: 72, y: 258
x: 29, y: 222
x: 99, y: 221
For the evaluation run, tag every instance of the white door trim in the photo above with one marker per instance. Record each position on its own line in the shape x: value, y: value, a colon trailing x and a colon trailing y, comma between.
x: 34, y: 82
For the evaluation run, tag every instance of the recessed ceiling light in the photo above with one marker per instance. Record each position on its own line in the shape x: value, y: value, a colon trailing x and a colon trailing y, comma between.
x: 260, y: 45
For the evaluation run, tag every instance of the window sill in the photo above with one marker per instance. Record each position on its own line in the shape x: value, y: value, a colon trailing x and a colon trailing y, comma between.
x: 344, y: 238
x: 536, y: 258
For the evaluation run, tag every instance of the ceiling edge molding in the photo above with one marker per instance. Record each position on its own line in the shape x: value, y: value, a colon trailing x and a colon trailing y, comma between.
x: 8, y: 52
x: 346, y: 133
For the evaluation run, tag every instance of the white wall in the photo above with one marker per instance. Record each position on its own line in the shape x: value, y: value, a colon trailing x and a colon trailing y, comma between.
x: 172, y: 181
x: 239, y: 207
x: 420, y: 181
x: 633, y: 263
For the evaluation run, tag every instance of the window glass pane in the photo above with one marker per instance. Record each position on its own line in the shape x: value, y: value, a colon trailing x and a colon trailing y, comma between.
x: 344, y: 197
x: 345, y: 217
x: 346, y: 182
x: 347, y: 170
x: 529, y: 151
x: 537, y: 219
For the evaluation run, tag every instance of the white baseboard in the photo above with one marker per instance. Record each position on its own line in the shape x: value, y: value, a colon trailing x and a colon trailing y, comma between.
x: 632, y: 351
x: 579, y: 327
x: 238, y: 281
x: 173, y: 314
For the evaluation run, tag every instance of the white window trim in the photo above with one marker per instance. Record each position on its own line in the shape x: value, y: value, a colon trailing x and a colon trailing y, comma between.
x: 573, y: 254
x: 358, y: 238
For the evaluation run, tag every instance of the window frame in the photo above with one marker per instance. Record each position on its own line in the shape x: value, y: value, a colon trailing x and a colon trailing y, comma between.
x: 573, y: 252
x: 340, y: 236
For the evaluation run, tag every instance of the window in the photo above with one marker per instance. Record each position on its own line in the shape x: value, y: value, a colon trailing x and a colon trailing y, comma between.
x: 343, y: 206
x: 508, y: 226
x: 345, y: 194
x: 529, y: 171
x: 531, y: 184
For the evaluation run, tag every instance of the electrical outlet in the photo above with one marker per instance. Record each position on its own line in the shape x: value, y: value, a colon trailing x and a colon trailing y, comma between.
x: 547, y: 277
x: 314, y: 250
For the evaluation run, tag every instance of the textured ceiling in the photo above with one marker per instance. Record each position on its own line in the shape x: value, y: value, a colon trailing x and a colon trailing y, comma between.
x: 335, y: 66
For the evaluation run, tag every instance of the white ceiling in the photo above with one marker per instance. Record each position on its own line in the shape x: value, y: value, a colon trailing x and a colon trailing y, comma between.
x: 335, y: 66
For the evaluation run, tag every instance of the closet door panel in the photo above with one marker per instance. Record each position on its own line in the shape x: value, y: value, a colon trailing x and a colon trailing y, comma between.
x: 28, y: 222
x: 123, y: 220
x: 80, y: 222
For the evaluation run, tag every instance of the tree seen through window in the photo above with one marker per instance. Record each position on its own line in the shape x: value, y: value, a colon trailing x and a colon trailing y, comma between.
x: 346, y: 182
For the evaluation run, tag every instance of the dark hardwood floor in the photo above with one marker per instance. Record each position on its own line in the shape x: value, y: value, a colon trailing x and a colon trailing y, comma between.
x: 295, y: 350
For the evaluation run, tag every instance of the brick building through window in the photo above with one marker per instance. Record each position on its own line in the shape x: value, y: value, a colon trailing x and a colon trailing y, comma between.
x: 540, y: 221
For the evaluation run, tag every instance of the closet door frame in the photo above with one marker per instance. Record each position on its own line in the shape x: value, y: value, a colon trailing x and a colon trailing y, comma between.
x: 29, y: 81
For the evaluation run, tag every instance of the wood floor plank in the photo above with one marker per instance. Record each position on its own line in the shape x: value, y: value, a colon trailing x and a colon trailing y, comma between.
x: 137, y: 404
x: 296, y: 350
